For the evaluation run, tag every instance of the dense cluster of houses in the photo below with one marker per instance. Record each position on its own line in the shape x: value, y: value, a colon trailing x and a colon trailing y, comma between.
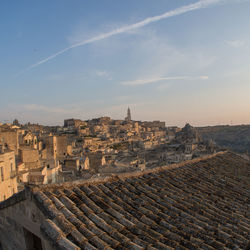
x: 35, y: 154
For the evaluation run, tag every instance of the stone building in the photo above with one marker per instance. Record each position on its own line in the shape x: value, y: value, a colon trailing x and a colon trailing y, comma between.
x: 72, y: 164
x: 44, y: 175
x: 20, y: 222
x: 55, y: 146
x: 30, y: 139
x: 96, y: 160
x: 154, y: 124
x: 10, y: 138
x: 60, y: 144
x: 85, y: 163
x: 49, y: 149
x: 30, y: 158
x: 74, y: 123
x: 188, y: 134
x: 8, y: 176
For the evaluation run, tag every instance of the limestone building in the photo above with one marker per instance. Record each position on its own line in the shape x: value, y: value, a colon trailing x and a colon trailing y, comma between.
x: 10, y: 138
x: 30, y: 158
x: 8, y: 177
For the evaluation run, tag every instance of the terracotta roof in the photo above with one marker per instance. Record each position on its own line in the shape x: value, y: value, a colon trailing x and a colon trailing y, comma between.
x: 198, y: 205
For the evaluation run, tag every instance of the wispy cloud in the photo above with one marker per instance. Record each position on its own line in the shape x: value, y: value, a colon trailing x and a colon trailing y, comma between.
x: 103, y: 74
x: 158, y: 79
x: 236, y: 43
x: 181, y: 10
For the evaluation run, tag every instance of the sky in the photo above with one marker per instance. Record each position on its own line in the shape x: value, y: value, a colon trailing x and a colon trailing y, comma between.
x: 176, y: 61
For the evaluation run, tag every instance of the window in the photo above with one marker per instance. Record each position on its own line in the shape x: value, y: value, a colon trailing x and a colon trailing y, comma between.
x: 1, y: 174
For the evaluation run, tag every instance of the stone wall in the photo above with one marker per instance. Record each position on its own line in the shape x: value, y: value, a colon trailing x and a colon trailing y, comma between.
x: 29, y: 155
x: 72, y: 164
x: 11, y: 139
x: 95, y: 161
x: 61, y: 146
x: 49, y: 144
x: 19, y: 223
x: 8, y: 180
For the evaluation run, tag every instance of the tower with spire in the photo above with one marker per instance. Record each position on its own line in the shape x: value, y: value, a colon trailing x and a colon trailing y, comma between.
x: 128, y: 118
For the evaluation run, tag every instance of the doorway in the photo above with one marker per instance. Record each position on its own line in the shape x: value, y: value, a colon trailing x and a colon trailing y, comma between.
x: 32, y: 241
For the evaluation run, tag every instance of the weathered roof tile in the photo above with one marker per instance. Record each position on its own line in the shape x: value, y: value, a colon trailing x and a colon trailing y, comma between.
x: 65, y: 244
x: 200, y: 205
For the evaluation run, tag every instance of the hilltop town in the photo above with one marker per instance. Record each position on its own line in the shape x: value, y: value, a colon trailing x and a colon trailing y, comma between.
x: 124, y: 125
x: 34, y: 154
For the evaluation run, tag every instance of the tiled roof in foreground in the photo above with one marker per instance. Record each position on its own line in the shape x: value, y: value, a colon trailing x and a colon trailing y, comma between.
x: 200, y: 205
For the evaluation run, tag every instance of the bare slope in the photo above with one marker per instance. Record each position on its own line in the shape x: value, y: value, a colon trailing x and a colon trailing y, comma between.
x: 236, y: 138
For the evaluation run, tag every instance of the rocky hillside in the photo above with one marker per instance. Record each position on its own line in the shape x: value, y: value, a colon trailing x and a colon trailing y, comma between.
x: 236, y: 138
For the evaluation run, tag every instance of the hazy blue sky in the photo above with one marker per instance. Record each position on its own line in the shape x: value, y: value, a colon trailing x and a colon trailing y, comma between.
x: 191, y: 65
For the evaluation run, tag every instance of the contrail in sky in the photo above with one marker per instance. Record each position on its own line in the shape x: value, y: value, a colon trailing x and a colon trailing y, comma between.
x: 181, y: 10
x: 158, y: 79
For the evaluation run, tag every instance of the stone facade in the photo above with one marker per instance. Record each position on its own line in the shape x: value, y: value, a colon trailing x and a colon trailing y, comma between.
x: 20, y: 225
x: 8, y: 178
x: 10, y: 139
x: 60, y: 145
x: 30, y: 158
